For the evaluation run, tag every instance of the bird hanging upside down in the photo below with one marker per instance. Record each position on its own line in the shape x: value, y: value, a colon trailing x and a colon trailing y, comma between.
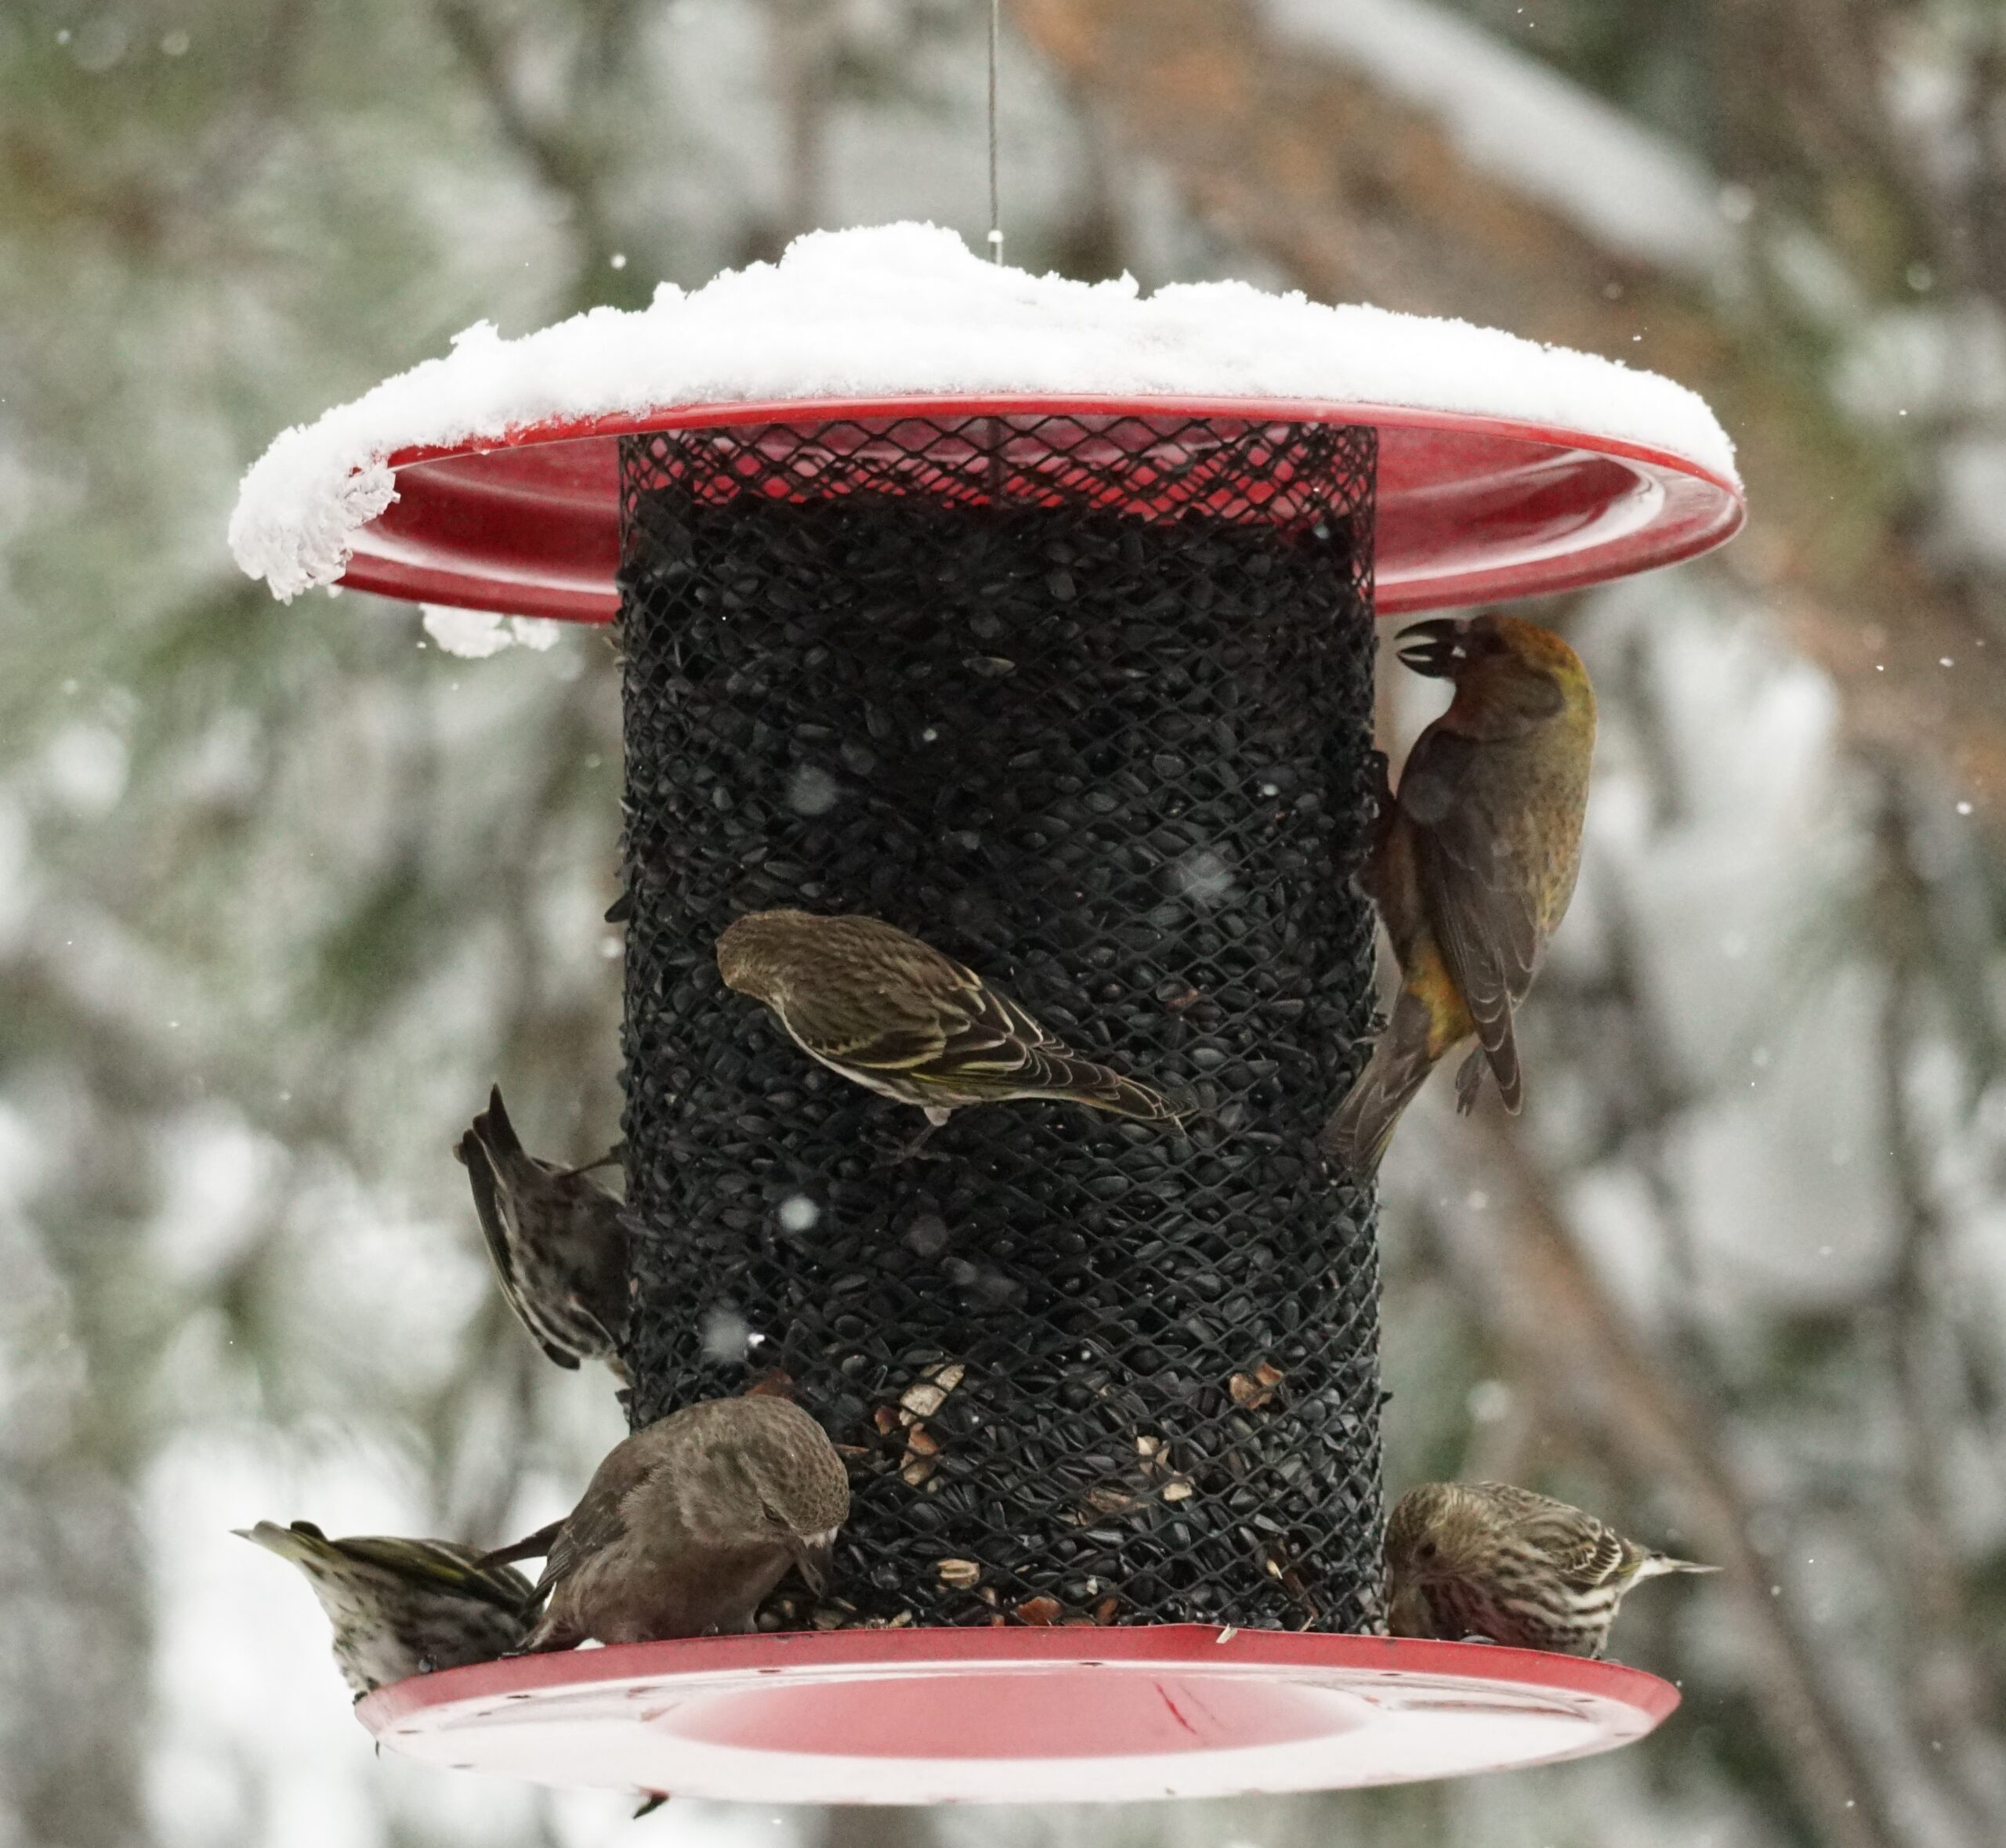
x: 402, y: 1607
x: 893, y: 1015
x: 687, y: 1525
x: 558, y: 1240
x: 1487, y: 1559
x: 1472, y: 864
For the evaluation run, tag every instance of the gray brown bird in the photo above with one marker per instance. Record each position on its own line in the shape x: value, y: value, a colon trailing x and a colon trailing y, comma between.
x: 893, y: 1015
x: 1473, y: 864
x: 1489, y: 1560
x: 402, y: 1607
x: 688, y: 1524
x: 558, y: 1239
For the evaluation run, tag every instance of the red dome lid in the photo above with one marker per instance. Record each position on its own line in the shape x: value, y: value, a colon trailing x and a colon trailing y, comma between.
x: 1470, y: 509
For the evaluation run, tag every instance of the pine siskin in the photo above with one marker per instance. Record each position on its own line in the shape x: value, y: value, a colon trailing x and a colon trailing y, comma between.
x: 1486, y: 1559
x: 403, y: 1607
x: 895, y: 1015
x: 558, y: 1239
x: 687, y: 1525
x: 1473, y: 864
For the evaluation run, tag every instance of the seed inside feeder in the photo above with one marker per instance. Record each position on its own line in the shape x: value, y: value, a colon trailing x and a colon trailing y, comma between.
x: 1086, y: 829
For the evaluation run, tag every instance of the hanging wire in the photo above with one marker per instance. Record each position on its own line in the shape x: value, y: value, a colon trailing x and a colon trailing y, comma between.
x: 995, y: 205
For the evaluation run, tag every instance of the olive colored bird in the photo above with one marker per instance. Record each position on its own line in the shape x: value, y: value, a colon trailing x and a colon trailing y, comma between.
x: 687, y: 1525
x: 402, y: 1607
x: 1473, y: 864
x: 558, y: 1239
x: 1487, y: 1559
x: 893, y: 1014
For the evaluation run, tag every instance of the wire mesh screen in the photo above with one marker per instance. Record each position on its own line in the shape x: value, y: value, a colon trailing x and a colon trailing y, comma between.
x: 1085, y: 702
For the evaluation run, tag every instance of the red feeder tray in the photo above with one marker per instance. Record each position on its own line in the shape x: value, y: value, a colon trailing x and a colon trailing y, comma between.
x: 1015, y: 1716
x: 1471, y: 509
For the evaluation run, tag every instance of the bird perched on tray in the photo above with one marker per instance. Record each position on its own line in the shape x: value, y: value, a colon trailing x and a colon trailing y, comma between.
x: 687, y: 1525
x: 1488, y: 1559
x: 403, y: 1607
x: 893, y: 1014
x: 1472, y: 864
x: 558, y: 1239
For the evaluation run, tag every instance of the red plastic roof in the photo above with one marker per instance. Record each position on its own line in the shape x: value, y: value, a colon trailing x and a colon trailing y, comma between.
x: 1471, y: 509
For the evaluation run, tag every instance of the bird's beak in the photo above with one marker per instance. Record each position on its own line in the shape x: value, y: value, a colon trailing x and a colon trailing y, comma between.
x: 814, y: 1555
x: 1438, y: 649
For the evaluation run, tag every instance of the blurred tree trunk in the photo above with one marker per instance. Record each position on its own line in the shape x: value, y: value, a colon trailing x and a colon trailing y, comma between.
x: 1358, y: 195
x: 856, y: 1825
x: 804, y: 42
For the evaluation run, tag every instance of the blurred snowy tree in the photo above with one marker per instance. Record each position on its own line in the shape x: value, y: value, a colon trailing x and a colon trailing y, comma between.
x: 281, y: 891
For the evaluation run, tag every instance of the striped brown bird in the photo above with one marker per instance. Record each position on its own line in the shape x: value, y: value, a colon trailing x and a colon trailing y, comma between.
x: 1487, y: 1559
x: 1473, y: 864
x: 688, y: 1524
x: 893, y: 1014
x: 558, y: 1240
x: 402, y: 1607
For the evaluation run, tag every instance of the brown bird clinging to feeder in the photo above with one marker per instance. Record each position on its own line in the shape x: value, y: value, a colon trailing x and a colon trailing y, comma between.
x: 1472, y: 864
x: 558, y: 1240
x: 687, y: 1525
x: 1487, y: 1559
x: 402, y: 1607
x: 893, y: 1014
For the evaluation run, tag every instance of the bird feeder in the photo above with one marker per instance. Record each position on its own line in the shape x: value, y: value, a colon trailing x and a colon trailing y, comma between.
x: 1035, y: 619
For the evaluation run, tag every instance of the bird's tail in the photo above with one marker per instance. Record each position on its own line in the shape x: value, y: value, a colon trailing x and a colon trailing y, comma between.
x: 536, y: 1546
x: 1656, y: 1564
x: 494, y: 1132
x: 1362, y: 1126
x: 491, y: 1143
x: 299, y: 1542
x: 1081, y: 1081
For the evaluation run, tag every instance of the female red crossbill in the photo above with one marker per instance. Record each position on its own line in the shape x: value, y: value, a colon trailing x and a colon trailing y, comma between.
x: 403, y: 1607
x: 1488, y: 1559
x: 687, y: 1525
x: 1473, y: 864
x: 558, y: 1240
x: 893, y: 1014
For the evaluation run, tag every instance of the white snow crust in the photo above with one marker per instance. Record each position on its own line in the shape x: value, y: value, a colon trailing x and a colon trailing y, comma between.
x: 908, y: 309
x: 474, y: 635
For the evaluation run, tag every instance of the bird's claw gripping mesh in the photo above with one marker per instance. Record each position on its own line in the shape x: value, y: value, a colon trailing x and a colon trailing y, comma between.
x: 1086, y: 703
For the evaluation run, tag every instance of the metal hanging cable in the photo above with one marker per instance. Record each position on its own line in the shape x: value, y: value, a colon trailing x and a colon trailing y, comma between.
x: 995, y: 204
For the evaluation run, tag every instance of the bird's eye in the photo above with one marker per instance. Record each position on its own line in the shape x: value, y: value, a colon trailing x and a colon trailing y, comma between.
x: 1426, y: 1550
x: 774, y: 1517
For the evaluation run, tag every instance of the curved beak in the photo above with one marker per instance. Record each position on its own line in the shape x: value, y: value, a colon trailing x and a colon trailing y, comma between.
x: 814, y: 1555
x: 1437, y: 649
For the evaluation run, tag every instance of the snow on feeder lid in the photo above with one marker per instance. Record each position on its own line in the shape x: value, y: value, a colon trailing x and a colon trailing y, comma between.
x: 490, y: 479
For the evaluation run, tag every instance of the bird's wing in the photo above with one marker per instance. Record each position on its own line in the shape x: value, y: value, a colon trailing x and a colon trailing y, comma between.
x: 989, y: 1035
x: 444, y: 1563
x: 991, y: 1046
x: 599, y: 1521
x: 916, y: 1012
x: 1481, y: 902
x: 473, y: 1152
x: 1584, y: 1551
x: 598, y: 1299
x: 1593, y: 1554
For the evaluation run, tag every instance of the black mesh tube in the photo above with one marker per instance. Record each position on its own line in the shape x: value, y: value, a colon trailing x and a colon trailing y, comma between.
x: 1085, y: 703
